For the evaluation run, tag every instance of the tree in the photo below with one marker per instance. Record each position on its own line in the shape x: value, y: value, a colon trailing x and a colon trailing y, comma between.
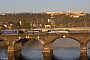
x: 25, y: 24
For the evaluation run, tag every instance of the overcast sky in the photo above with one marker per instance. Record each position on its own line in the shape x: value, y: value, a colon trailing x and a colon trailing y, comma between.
x: 8, y: 6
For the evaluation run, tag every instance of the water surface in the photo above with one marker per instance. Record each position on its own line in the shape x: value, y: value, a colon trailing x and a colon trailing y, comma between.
x: 64, y: 49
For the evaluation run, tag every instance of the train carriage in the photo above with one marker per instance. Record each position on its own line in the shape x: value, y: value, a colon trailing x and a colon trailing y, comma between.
x: 58, y: 31
x: 10, y: 32
x: 33, y: 31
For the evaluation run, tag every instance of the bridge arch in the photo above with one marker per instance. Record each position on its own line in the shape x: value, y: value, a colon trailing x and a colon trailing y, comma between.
x: 88, y: 41
x: 66, y: 37
x: 88, y: 44
x: 1, y: 40
x: 36, y: 39
x: 21, y: 40
x: 50, y: 38
x: 62, y: 45
x: 3, y: 43
x: 26, y: 39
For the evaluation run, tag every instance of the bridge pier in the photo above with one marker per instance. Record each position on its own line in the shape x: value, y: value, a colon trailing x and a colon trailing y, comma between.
x: 48, y: 56
x: 16, y: 55
x: 83, y: 56
x: 83, y: 51
x: 14, y: 51
x: 14, y: 47
x: 48, y: 47
x: 83, y: 47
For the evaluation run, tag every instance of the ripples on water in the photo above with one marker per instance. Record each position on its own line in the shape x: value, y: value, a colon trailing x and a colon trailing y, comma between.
x: 67, y: 53
x: 64, y: 49
x: 32, y: 53
x: 3, y: 53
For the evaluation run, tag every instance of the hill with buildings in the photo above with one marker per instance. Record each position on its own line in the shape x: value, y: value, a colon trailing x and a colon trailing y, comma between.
x: 45, y: 19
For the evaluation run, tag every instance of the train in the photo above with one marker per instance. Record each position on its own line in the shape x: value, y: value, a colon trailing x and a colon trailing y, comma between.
x: 11, y: 32
x: 58, y: 31
x: 33, y: 31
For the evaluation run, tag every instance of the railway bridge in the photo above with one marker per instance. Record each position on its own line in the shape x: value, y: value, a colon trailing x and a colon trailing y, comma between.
x: 46, y: 40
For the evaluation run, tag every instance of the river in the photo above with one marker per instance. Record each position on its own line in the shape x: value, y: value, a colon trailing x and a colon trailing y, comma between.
x: 64, y: 49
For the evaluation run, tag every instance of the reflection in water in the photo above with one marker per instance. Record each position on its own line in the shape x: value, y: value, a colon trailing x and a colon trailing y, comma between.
x: 32, y: 53
x: 3, y: 53
x: 48, y: 56
x: 64, y: 49
x: 32, y: 50
x: 83, y: 56
x: 15, y: 55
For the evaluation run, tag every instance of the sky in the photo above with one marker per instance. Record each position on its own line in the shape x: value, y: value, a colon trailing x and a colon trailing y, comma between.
x: 8, y: 6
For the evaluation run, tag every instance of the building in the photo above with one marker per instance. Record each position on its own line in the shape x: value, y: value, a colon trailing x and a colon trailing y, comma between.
x: 81, y: 13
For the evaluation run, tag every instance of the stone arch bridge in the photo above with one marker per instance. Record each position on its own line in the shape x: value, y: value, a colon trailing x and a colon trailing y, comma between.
x: 14, y: 41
